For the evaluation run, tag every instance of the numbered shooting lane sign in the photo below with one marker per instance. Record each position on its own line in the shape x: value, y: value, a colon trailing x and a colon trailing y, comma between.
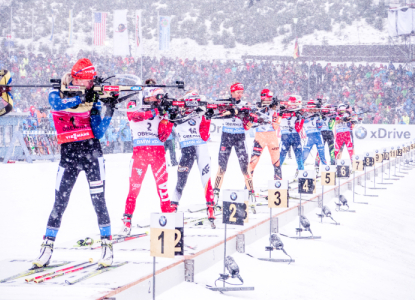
x: 179, y: 234
x: 306, y: 181
x: 234, y: 207
x: 385, y: 154
x: 378, y: 156
x: 392, y: 152
x: 369, y: 159
x: 162, y: 232
x: 343, y: 168
x: 328, y: 175
x: 278, y: 194
x: 399, y: 151
x: 358, y: 163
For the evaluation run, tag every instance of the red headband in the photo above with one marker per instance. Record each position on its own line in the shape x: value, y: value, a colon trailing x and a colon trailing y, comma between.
x: 237, y: 87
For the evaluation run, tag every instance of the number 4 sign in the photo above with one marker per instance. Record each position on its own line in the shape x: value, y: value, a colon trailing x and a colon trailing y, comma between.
x: 162, y: 235
x: 306, y: 181
x: 278, y: 194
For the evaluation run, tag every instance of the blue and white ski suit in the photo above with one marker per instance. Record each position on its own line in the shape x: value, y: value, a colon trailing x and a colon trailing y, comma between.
x: 290, y: 126
x: 312, y: 127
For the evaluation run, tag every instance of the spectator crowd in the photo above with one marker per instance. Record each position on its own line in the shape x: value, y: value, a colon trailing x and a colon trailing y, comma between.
x: 382, y: 93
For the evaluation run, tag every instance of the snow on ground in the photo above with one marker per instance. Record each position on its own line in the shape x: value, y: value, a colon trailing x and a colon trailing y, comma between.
x: 368, y: 256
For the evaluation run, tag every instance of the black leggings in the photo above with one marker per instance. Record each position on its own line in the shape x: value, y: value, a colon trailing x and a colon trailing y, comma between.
x: 76, y: 157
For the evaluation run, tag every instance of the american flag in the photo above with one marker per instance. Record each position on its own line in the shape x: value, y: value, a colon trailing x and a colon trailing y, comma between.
x: 100, y: 28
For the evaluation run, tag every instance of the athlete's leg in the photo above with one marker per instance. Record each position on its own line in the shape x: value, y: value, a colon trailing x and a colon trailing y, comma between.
x: 161, y: 176
x: 320, y: 148
x: 95, y: 173
x: 138, y: 168
x: 284, y: 146
x: 329, y: 138
x: 298, y: 151
x: 349, y: 144
x: 274, y: 151
x: 185, y: 165
x: 242, y: 154
x: 307, y: 148
x: 224, y: 153
x: 256, y: 155
x: 338, y: 144
x: 203, y: 162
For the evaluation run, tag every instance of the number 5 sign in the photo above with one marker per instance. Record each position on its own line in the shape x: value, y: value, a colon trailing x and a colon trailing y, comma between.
x: 328, y: 175
x: 162, y: 235
x: 278, y: 193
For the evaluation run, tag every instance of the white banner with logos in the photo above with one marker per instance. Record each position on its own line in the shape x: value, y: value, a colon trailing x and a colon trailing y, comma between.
x: 384, y: 132
x: 121, y: 45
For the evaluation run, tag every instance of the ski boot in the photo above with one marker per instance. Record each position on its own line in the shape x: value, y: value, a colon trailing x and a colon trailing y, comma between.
x: 126, y: 228
x: 296, y: 174
x: 107, y: 254
x: 168, y: 207
x: 317, y: 169
x: 46, y: 251
x: 211, y: 214
x: 174, y: 204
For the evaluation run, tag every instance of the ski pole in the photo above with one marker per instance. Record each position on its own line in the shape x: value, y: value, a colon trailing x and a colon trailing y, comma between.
x: 57, y: 271
x: 40, y: 280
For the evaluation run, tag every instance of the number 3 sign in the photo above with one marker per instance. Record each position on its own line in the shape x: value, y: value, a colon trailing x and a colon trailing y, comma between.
x: 162, y: 235
x: 278, y: 193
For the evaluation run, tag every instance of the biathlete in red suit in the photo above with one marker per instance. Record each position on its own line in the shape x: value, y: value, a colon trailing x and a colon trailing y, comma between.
x: 343, y: 133
x: 149, y: 131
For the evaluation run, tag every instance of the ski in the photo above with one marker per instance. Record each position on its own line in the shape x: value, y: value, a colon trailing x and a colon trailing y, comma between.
x: 57, y: 271
x: 272, y: 259
x: 32, y: 271
x: 217, y: 208
x: 115, y: 241
x: 301, y: 237
x: 98, y: 271
x: 43, y: 279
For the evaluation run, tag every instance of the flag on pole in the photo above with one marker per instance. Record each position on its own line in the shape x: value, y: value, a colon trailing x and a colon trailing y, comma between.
x: 138, y: 33
x: 70, y: 27
x: 296, y: 49
x: 164, y: 32
x: 121, y: 43
x: 100, y: 25
x: 53, y: 25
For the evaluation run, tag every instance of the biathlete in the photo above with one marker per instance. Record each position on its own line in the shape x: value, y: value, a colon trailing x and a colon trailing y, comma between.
x: 149, y: 130
x: 193, y: 133
x: 328, y: 120
x: 291, y: 124
x: 79, y: 127
x: 266, y: 135
x: 343, y: 131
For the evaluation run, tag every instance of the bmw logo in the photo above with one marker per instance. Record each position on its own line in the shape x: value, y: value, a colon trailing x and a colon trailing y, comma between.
x: 305, y: 174
x: 376, y: 151
x: 367, y: 153
x: 392, y: 148
x: 192, y: 122
x: 357, y: 157
x: 163, y: 221
x: 342, y: 162
x: 360, y: 133
x: 278, y: 184
x: 327, y: 168
x: 234, y: 196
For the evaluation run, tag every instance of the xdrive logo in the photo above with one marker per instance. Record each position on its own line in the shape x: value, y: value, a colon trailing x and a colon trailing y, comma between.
x: 381, y: 133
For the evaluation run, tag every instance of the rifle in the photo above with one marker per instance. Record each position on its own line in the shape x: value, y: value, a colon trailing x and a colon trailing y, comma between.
x: 105, y: 90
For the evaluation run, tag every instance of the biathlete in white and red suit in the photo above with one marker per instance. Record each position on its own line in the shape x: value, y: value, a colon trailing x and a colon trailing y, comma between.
x: 343, y: 127
x: 233, y: 135
x: 79, y: 127
x: 193, y: 132
x: 149, y: 132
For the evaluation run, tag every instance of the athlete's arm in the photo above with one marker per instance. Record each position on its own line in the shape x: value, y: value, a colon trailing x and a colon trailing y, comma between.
x: 57, y: 103
x: 98, y: 125
x: 299, y: 125
x: 204, y: 129
x: 164, y: 130
x: 138, y: 116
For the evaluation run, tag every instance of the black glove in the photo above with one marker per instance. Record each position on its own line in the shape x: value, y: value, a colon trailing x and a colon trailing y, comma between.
x: 282, y: 107
x: 91, y: 96
x: 233, y: 112
x: 209, y: 114
x: 172, y: 115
